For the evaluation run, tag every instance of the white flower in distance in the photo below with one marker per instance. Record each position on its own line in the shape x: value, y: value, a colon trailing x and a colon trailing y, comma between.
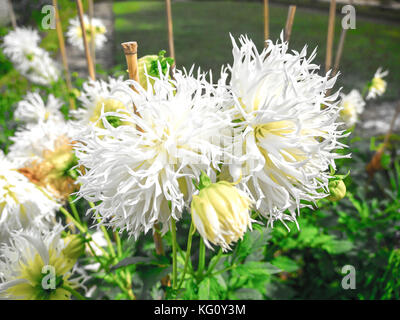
x: 32, y: 109
x: 289, y: 139
x: 378, y: 85
x: 142, y: 171
x: 21, y: 47
x: 74, y: 32
x: 36, y: 265
x: 22, y: 203
x: 352, y: 106
x: 96, y: 96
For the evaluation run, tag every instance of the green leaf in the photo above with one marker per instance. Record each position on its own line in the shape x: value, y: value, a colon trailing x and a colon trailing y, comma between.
x: 209, y: 289
x: 248, y: 294
x: 385, y: 161
x: 130, y: 261
x: 256, y: 268
x: 285, y: 263
x: 338, y: 246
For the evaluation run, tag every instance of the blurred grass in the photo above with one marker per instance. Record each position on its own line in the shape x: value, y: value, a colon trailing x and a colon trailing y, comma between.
x: 201, y: 32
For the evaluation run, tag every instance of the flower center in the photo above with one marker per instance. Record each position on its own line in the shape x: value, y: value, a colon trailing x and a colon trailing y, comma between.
x: 110, y: 105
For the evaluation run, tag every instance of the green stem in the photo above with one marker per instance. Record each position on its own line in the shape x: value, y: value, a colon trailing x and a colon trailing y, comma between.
x: 106, y: 236
x: 174, y: 255
x: 212, y: 266
x: 74, y: 210
x: 119, y: 245
x: 202, y: 258
x: 76, y: 223
x: 224, y: 270
x: 187, y: 257
x: 73, y: 292
x: 115, y: 278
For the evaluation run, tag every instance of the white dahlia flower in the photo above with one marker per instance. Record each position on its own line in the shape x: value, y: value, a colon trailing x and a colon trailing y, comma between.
x: 74, y: 33
x: 378, y: 85
x: 142, y: 170
x: 288, y: 126
x: 44, y: 154
x: 22, y: 203
x: 31, y: 142
x: 32, y: 109
x: 21, y: 47
x: 96, y: 95
x: 352, y: 106
x: 37, y: 265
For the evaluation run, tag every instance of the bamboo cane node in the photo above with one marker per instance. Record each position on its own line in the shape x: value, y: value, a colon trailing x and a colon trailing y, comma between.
x: 130, y: 48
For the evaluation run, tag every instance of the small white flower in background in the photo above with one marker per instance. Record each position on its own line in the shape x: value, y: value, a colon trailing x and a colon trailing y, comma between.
x: 32, y: 109
x: 95, y: 96
x: 74, y: 32
x: 289, y: 140
x: 35, y: 266
x: 34, y: 63
x: 378, y: 85
x: 142, y: 170
x: 22, y: 203
x: 352, y: 106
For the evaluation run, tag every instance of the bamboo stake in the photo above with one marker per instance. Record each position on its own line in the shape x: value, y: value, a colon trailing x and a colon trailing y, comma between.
x: 85, y: 42
x: 130, y: 51
x: 170, y: 29
x: 339, y: 51
x: 12, y: 14
x: 289, y: 22
x: 330, y: 36
x: 92, y: 39
x: 266, y: 22
x: 61, y: 43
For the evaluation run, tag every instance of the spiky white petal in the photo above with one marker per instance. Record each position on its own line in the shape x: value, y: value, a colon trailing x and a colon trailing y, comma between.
x: 142, y: 171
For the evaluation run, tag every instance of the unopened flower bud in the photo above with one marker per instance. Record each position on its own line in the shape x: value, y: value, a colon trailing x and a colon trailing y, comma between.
x: 220, y: 213
x: 337, y: 189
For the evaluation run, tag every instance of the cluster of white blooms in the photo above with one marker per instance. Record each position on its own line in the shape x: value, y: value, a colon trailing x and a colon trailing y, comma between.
x: 21, y: 46
x: 272, y: 129
x: 141, y: 171
x: 96, y: 27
